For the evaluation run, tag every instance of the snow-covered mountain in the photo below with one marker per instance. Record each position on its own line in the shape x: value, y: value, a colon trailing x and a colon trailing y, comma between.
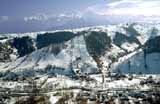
x: 124, y: 48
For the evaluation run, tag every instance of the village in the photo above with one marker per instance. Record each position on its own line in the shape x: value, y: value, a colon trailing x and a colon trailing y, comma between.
x: 87, y: 89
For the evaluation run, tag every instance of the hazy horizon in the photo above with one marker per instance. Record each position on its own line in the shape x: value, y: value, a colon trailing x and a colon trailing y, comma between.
x: 39, y: 15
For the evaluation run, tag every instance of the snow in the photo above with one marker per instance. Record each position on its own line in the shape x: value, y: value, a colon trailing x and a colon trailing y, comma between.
x: 76, y: 48
x: 39, y: 59
x: 137, y: 64
x: 3, y: 41
x: 128, y: 62
x: 53, y: 99
x: 13, y: 85
x: 129, y: 47
x: 13, y: 56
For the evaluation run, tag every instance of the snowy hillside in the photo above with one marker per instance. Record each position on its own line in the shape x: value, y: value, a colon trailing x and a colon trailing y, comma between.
x: 131, y: 48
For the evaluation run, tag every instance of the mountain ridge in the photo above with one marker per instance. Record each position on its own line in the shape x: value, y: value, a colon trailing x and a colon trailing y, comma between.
x: 115, y: 48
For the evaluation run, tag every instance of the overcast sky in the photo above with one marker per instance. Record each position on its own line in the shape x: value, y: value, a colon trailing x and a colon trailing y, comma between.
x: 37, y: 15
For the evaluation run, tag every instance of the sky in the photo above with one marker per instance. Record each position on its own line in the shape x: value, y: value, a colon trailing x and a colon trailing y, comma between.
x: 40, y: 15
